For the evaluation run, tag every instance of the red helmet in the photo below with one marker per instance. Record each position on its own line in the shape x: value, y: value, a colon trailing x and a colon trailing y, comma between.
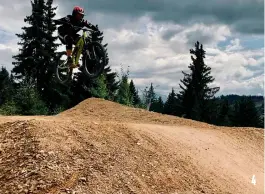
x: 78, y: 10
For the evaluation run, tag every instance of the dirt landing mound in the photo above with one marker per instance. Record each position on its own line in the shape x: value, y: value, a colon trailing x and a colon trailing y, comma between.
x: 101, y: 109
x: 85, y: 150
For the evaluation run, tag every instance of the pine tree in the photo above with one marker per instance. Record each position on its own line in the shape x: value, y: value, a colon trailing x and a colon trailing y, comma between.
x: 224, y: 110
x: 27, y: 100
x: 151, y: 93
x: 30, y: 60
x: 151, y: 97
x: 171, y: 104
x: 36, y: 59
x: 261, y: 110
x: 50, y: 45
x: 112, y: 83
x: 123, y: 94
x: 144, y: 99
x: 195, y: 95
x: 160, y: 105
x: 6, y: 86
x: 245, y: 113
x: 135, y: 96
x: 157, y: 105
x: 53, y: 93
x: 100, y: 91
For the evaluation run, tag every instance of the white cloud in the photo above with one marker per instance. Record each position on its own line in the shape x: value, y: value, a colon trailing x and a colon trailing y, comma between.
x: 209, y: 35
x: 12, y: 15
x: 5, y: 55
x: 7, y: 50
x: 234, y: 46
x: 252, y: 86
x: 158, y: 61
x: 158, y: 52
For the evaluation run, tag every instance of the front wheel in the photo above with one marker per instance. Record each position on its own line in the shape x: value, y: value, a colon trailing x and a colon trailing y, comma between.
x: 94, y: 60
x: 63, y: 73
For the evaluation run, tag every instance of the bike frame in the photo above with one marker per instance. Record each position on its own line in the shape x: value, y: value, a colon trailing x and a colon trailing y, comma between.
x: 79, y: 47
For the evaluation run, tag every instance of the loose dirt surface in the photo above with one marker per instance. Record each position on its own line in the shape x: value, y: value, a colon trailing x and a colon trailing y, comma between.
x: 103, y: 147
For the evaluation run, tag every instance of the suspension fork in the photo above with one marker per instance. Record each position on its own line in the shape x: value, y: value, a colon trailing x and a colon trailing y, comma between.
x: 90, y: 52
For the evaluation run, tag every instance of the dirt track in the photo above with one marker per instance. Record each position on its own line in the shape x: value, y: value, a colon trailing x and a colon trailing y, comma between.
x: 103, y: 147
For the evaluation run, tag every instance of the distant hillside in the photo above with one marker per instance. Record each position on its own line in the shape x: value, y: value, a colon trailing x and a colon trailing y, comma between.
x: 258, y: 100
x: 232, y: 98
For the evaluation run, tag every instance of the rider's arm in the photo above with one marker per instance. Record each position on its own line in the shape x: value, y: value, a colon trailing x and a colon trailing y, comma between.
x: 89, y: 25
x: 62, y: 21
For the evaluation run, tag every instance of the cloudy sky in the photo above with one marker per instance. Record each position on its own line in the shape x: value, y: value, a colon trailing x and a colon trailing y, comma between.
x: 153, y: 38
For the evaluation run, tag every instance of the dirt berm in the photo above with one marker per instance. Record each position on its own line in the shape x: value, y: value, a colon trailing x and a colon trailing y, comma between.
x: 103, y: 147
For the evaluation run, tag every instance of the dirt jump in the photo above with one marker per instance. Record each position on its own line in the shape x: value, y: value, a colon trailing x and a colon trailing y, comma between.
x: 103, y: 147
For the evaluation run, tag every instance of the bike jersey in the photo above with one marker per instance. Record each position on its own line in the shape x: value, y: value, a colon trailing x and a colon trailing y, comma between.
x: 70, y: 19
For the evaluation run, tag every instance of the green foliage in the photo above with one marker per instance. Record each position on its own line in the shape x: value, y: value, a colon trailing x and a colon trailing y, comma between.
x: 26, y: 101
x: 195, y: 94
x: 148, y: 97
x: 36, y: 57
x: 232, y: 98
x: 134, y: 93
x: 52, y: 93
x: 9, y: 108
x: 124, y: 95
x: 145, y: 100
x: 58, y: 110
x: 157, y: 105
x: 6, y: 85
x: 227, y: 109
x: 111, y: 83
x: 171, y: 105
x: 100, y: 91
x: 29, y: 61
x: 260, y: 110
x: 245, y: 114
x: 151, y: 95
x: 224, y: 113
x: 110, y: 77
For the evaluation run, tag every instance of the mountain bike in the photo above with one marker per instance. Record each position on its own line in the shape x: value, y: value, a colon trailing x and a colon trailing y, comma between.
x: 93, y: 58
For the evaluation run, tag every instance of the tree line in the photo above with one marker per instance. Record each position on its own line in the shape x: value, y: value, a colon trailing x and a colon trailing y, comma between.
x: 31, y: 87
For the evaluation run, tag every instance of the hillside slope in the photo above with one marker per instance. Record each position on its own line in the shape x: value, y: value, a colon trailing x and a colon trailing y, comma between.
x: 103, y: 147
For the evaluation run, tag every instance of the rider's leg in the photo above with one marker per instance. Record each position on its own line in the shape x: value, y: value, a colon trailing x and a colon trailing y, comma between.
x: 69, y: 47
x: 69, y: 44
x: 66, y: 39
x: 76, y: 37
x: 70, y: 40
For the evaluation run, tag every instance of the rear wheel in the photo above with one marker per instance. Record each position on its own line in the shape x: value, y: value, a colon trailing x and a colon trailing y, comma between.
x: 62, y: 71
x: 94, y: 60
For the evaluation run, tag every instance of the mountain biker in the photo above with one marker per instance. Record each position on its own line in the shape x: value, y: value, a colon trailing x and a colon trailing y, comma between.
x: 67, y: 34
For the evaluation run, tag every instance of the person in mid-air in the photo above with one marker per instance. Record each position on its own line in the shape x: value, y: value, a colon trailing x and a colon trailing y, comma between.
x: 67, y: 34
